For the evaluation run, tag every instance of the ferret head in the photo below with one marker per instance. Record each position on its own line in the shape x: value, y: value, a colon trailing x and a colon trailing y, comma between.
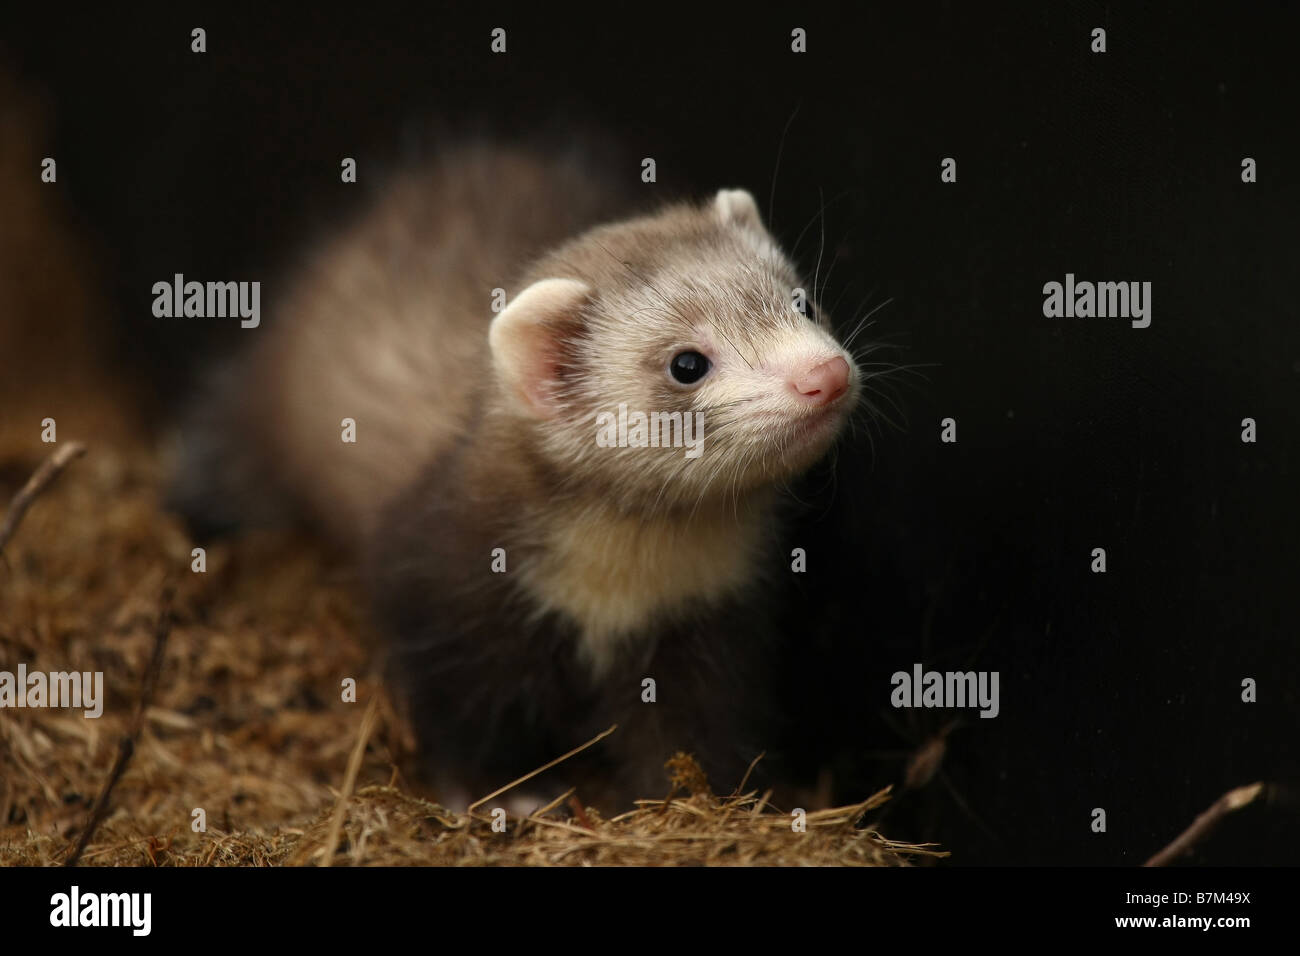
x: 673, y: 359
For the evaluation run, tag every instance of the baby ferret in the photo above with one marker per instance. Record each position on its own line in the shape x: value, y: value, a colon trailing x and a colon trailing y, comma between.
x: 544, y: 561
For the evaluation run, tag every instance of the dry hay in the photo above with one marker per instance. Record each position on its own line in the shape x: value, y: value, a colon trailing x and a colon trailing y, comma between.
x: 246, y: 721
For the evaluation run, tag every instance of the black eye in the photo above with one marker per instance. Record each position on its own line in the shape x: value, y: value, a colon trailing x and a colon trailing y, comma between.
x: 688, y: 367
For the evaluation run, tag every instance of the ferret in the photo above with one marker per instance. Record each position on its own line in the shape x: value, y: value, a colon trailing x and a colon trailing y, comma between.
x: 540, y: 569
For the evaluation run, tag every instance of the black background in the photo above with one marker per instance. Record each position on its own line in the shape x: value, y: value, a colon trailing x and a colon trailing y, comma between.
x: 1120, y: 690
x: 1017, y: 904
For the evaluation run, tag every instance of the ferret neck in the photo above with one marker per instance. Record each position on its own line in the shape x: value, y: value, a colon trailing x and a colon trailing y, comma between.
x: 618, y: 575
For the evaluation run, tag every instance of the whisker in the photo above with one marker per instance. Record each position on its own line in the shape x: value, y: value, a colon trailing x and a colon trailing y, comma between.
x: 861, y: 322
x: 794, y: 250
x: 780, y: 149
x: 822, y: 248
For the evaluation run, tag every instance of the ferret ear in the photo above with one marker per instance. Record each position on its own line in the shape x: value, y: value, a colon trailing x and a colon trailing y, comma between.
x: 527, y: 340
x: 737, y: 206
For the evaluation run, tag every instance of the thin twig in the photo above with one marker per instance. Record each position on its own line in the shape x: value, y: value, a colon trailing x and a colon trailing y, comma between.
x: 542, y: 769
x: 745, y: 779
x: 48, y: 470
x: 1207, y: 821
x: 580, y: 814
x: 350, y: 779
x: 126, y: 746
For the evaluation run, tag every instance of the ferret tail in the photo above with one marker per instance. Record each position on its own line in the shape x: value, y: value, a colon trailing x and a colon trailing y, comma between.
x: 221, y: 480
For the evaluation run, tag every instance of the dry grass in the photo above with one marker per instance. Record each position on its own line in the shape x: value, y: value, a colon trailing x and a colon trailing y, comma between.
x: 246, y: 720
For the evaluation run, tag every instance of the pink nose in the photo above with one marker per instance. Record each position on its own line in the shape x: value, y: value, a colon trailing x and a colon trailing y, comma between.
x: 824, y: 383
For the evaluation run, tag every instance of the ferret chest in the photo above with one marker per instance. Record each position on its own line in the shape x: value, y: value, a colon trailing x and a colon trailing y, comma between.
x: 617, y: 577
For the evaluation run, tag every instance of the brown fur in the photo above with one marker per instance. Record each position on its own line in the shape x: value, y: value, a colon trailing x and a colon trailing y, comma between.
x: 622, y: 562
x: 386, y: 324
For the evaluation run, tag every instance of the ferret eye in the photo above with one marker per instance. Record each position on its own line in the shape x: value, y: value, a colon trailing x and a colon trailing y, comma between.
x: 688, y: 367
